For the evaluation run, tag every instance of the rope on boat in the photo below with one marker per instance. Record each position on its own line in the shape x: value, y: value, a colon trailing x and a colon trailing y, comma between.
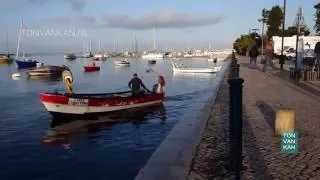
x: 67, y: 80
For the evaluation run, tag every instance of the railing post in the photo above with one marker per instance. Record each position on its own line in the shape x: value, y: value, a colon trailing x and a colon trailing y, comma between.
x: 235, y: 127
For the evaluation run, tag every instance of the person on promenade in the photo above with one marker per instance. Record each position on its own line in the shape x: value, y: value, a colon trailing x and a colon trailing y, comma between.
x: 317, y: 53
x: 268, y: 52
x: 135, y: 83
x: 254, y: 53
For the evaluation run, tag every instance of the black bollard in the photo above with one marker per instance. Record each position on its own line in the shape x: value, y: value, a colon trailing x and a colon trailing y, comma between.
x: 237, y: 70
x: 235, y: 127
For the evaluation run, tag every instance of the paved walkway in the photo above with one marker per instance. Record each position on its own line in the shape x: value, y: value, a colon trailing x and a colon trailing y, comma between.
x: 264, y: 94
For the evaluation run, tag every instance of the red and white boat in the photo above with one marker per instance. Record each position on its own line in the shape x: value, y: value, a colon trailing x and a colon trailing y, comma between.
x: 91, y: 68
x: 66, y: 105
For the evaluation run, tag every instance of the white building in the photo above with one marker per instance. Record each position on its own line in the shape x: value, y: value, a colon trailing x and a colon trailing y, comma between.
x: 290, y: 42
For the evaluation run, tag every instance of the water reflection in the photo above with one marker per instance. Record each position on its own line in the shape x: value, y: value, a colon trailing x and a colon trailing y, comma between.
x: 61, y: 132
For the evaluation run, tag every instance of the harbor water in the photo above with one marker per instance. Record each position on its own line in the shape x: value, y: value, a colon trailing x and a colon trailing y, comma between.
x: 116, y: 146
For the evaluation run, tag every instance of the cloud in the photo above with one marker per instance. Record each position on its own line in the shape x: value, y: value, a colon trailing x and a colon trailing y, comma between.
x: 87, y: 19
x: 57, y: 20
x: 77, y: 5
x: 161, y: 19
x: 80, y: 20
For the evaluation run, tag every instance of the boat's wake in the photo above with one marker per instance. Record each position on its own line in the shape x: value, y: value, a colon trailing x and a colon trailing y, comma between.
x: 185, y: 96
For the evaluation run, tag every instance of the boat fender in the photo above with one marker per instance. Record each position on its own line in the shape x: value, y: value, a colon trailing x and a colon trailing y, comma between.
x: 67, y: 80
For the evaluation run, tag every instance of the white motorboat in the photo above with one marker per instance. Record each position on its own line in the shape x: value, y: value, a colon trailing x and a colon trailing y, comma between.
x: 99, y: 57
x: 152, y: 56
x: 179, y: 68
x: 70, y: 56
x: 122, y: 63
x: 187, y: 55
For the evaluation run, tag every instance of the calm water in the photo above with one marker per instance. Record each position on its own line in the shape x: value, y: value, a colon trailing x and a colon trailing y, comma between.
x: 32, y: 146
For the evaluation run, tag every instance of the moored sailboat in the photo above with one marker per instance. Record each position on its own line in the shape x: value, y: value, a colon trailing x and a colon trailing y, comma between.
x: 24, y: 62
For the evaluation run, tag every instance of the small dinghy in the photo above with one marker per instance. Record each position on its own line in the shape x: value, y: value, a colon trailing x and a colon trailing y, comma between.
x: 73, y: 105
x: 152, y: 61
x: 122, y: 63
x: 91, y: 68
x: 70, y: 56
x: 179, y: 68
x: 47, y: 71
x: 5, y: 59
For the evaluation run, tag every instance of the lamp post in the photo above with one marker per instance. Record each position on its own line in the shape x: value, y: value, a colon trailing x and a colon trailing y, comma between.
x: 283, y: 26
x: 265, y: 15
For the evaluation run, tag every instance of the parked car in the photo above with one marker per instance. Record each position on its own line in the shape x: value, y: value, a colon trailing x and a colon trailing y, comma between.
x: 290, y: 53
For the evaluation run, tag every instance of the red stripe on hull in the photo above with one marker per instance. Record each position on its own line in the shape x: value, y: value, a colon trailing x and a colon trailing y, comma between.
x: 90, y: 69
x: 98, y: 102
x: 58, y: 99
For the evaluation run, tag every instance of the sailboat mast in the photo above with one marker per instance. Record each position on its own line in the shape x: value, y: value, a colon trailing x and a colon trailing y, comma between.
x: 19, y: 39
x: 99, y: 50
x: 154, y: 39
x: 7, y: 43
x: 90, y: 48
x: 84, y: 46
x: 114, y: 45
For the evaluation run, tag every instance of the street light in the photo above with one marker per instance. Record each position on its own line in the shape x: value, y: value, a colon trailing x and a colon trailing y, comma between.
x: 264, y: 19
x: 282, y: 42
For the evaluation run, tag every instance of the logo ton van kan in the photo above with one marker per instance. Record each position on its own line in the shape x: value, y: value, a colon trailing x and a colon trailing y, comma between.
x: 290, y: 142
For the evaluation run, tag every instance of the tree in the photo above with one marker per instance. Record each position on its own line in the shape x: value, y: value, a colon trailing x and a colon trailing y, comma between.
x: 274, y: 22
x: 293, y: 30
x: 317, y: 19
x: 244, y: 43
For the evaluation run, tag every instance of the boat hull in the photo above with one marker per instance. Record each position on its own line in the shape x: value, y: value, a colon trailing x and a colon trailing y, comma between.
x: 91, y: 68
x: 122, y: 63
x: 62, y: 106
x: 26, y: 64
x: 47, y: 71
x: 195, y: 70
x: 152, y: 56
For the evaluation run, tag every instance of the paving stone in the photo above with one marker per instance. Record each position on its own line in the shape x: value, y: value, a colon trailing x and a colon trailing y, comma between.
x: 261, y: 149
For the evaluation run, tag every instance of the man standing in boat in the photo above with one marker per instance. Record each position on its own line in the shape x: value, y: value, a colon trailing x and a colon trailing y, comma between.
x: 134, y: 85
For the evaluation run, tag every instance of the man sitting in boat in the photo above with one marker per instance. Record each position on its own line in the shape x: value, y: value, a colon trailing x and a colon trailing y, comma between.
x: 134, y: 85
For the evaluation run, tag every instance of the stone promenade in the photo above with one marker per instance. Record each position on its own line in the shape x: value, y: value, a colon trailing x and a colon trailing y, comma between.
x: 263, y: 95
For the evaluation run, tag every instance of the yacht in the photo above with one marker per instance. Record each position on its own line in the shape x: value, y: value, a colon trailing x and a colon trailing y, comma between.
x: 153, y: 54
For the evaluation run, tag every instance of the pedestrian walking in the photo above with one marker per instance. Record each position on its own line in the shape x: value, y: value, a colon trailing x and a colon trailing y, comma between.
x: 268, y: 52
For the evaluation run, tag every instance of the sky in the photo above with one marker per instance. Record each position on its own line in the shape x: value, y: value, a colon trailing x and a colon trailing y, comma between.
x: 178, y: 24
